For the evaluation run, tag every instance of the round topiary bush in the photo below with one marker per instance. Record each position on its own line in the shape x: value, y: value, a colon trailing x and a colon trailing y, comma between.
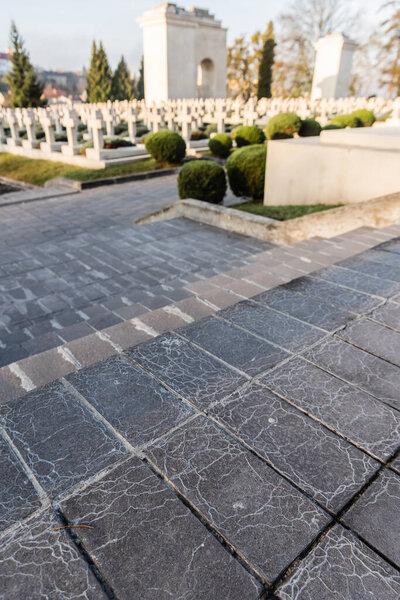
x: 283, y: 126
x: 220, y: 145
x: 345, y: 121
x: 166, y: 147
x: 309, y: 127
x: 197, y: 135
x: 246, y: 135
x: 332, y: 126
x: 246, y: 171
x: 364, y: 116
x: 202, y: 180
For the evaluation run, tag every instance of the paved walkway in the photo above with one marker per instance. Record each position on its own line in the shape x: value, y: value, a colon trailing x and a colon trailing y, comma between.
x: 72, y: 266
x: 251, y: 454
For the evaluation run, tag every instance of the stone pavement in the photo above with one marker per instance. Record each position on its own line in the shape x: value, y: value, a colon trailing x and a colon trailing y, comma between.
x: 250, y: 454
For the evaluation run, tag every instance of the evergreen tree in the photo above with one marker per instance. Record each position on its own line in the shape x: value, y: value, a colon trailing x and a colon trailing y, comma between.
x: 266, y: 65
x: 99, y: 77
x: 25, y: 89
x: 121, y: 83
x: 140, y: 84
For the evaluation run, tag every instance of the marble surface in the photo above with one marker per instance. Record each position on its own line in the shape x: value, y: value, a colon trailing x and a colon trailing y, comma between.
x: 358, y: 416
x: 131, y: 400
x: 266, y: 519
x: 341, y: 567
x: 144, y: 539
x: 321, y: 463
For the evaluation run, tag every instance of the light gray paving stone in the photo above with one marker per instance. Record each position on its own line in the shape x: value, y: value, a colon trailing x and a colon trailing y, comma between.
x: 187, y: 370
x: 361, y: 418
x: 375, y: 515
x: 10, y: 385
x: 370, y: 373
x: 46, y: 367
x: 126, y: 335
x: 375, y: 338
x: 266, y: 519
x: 317, y: 460
x: 90, y: 349
x: 147, y: 543
x: 59, y: 438
x: 341, y: 567
x: 388, y: 314
x: 133, y: 402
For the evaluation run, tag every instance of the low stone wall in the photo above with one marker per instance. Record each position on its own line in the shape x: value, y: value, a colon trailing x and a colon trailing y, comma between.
x: 378, y: 212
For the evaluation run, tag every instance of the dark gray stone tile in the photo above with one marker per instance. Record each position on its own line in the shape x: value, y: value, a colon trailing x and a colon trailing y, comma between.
x: 341, y: 567
x: 280, y: 329
x: 305, y: 308
x: 131, y: 400
x: 353, y: 413
x: 388, y: 314
x: 396, y: 464
x: 375, y: 515
x: 37, y: 562
x: 369, y: 267
x: 58, y: 437
x: 187, y: 370
x: 333, y: 294
x: 324, y: 465
x: 266, y: 519
x: 364, y: 370
x: 391, y: 246
x: 18, y: 497
x: 144, y: 539
x: 391, y: 259
x: 374, y: 338
x: 235, y: 346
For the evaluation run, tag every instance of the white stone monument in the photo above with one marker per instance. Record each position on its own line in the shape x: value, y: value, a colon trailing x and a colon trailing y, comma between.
x: 333, y: 62
x: 184, y: 54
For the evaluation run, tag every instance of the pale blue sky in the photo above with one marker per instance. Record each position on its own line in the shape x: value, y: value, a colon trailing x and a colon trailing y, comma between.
x: 59, y: 33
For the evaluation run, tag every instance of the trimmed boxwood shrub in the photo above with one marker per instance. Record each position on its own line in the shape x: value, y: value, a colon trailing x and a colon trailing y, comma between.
x: 197, y: 135
x: 366, y: 117
x: 245, y: 135
x: 346, y: 121
x: 220, y: 145
x: 332, y: 126
x: 246, y: 171
x: 166, y: 147
x: 112, y: 143
x: 211, y: 128
x: 283, y: 126
x: 309, y: 127
x: 202, y: 180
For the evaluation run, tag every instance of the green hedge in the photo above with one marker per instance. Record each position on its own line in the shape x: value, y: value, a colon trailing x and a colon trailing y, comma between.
x: 246, y: 135
x: 220, y: 145
x: 166, y: 147
x: 246, y: 171
x: 309, y: 127
x: 364, y: 116
x: 283, y: 126
x: 343, y: 121
x: 202, y: 180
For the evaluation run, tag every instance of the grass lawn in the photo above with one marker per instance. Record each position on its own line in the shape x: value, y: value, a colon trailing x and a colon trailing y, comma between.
x: 37, y: 172
x: 283, y: 213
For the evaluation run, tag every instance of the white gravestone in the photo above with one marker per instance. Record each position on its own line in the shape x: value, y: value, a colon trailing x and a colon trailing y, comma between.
x: 333, y: 63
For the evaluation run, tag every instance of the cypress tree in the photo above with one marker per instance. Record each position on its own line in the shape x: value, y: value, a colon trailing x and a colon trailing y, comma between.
x: 266, y: 65
x: 121, y: 83
x: 99, y: 78
x: 140, y: 83
x: 25, y: 89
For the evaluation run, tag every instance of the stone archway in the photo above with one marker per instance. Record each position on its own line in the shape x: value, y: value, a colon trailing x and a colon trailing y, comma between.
x: 206, y: 79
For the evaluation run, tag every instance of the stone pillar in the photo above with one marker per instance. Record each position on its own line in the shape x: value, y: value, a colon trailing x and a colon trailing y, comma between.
x: 333, y: 62
x: 70, y: 122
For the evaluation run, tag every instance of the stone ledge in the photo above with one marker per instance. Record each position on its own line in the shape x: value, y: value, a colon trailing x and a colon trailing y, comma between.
x: 378, y: 212
x: 85, y: 185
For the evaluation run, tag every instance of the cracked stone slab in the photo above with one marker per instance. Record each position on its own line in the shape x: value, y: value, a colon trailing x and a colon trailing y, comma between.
x: 396, y: 464
x: 37, y: 562
x: 235, y: 346
x: 187, y: 370
x: 377, y: 286
x: 262, y: 515
x: 391, y: 259
x: 358, y: 416
x: 388, y: 314
x: 370, y: 267
x: 145, y: 539
x: 374, y: 338
x: 18, y: 497
x: 370, y: 373
x: 341, y: 567
x: 306, y: 309
x: 375, y: 516
x: 333, y: 294
x: 277, y: 328
x: 317, y: 460
x: 59, y: 438
x: 133, y: 402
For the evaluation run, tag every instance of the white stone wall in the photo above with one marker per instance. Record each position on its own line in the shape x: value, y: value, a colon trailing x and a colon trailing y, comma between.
x: 333, y: 63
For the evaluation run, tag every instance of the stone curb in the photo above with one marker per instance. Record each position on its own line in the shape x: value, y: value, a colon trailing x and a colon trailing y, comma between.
x: 378, y: 212
x: 34, y: 198
x: 87, y: 185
